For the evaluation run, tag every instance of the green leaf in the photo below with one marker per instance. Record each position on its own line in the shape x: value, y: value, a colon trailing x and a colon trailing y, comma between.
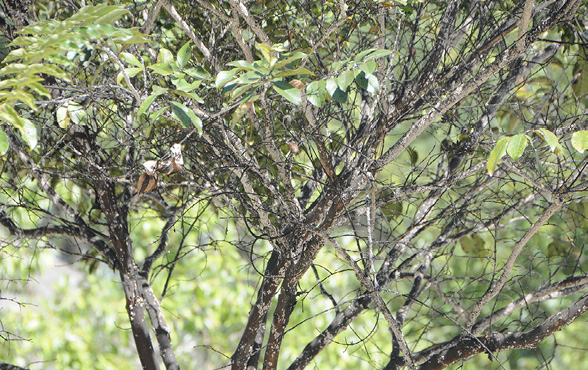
x: 496, y: 154
x: 580, y: 141
x: 249, y: 78
x: 345, y: 79
x: 165, y: 56
x: 224, y: 77
x: 76, y: 112
x: 551, y: 140
x: 516, y: 146
x: 371, y: 54
x: 184, y: 55
x: 373, y: 84
x: 266, y: 51
x: 190, y: 95
x: 293, y: 72
x: 289, y: 59
x: 158, y: 90
x: 9, y: 115
x: 164, y: 69
x: 111, y: 15
x: 243, y: 89
x: 242, y: 64
x: 335, y: 92
x: 288, y: 91
x: 361, y: 80
x: 185, y: 115
x: 131, y: 59
x: 474, y: 245
x: 580, y: 85
x: 316, y: 93
x: 16, y: 95
x: 62, y: 116
x: 3, y: 142
x: 414, y: 155
x: 131, y: 72
x: 198, y: 72
x: 336, y: 66
x: 368, y: 67
x: 377, y: 53
x: 186, y: 86
x: 29, y: 133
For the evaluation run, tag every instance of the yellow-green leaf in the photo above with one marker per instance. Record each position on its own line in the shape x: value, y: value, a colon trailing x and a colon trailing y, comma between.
x: 580, y: 141
x: 76, y: 112
x: 3, y: 142
x: 551, y: 140
x: 496, y: 154
x: 184, y: 55
x: 516, y: 146
x: 29, y: 133
x: 62, y: 116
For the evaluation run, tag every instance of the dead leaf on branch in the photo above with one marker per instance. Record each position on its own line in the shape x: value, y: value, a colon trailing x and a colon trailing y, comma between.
x: 171, y: 163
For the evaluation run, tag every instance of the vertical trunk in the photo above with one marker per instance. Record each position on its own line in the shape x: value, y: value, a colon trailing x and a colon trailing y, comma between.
x: 121, y: 243
x: 138, y: 320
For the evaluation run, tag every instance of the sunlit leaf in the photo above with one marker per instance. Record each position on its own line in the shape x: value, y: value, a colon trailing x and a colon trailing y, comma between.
x: 371, y: 54
x: 165, y: 56
x: 335, y: 92
x: 379, y: 53
x: 316, y: 93
x: 62, y: 115
x: 368, y: 67
x: 288, y: 91
x: 4, y: 145
x: 111, y: 14
x: 551, y: 140
x: 290, y: 59
x: 223, y: 77
x: 184, y: 55
x: 164, y: 69
x: 249, y: 77
x: 345, y: 79
x: 373, y: 84
x: 580, y: 141
x: 131, y: 59
x: 516, y: 146
x: 265, y: 49
x: 9, y: 115
x: 76, y: 112
x: 29, y: 133
x: 496, y: 154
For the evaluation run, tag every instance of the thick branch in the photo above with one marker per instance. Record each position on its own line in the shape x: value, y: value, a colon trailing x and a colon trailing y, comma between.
x: 497, y: 342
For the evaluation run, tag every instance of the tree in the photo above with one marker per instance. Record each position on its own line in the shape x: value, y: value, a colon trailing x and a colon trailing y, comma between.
x: 416, y: 165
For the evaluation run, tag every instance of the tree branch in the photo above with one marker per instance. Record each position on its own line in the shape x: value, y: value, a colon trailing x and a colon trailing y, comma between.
x: 497, y: 342
x: 508, y: 266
